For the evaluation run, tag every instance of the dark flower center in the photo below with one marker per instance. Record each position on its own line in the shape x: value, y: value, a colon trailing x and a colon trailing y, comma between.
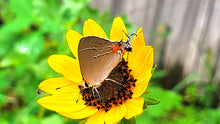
x: 113, y: 91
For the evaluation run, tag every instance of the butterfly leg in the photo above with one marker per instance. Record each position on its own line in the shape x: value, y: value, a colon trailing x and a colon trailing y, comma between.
x: 119, y: 52
x: 96, y: 90
x: 108, y: 79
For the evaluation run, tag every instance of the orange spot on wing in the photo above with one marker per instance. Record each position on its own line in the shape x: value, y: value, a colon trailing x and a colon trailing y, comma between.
x: 116, y: 48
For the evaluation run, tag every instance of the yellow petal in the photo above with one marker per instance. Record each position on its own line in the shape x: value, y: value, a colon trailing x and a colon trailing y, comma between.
x: 142, y: 71
x: 66, y: 66
x: 118, y: 27
x: 97, y: 118
x: 90, y: 27
x: 115, y: 114
x: 150, y: 58
x: 136, y: 58
x: 134, y: 107
x: 145, y: 62
x: 63, y: 102
x: 58, y: 85
x: 80, y: 114
x: 125, y: 56
x: 73, y: 38
x: 141, y: 84
x: 138, y: 41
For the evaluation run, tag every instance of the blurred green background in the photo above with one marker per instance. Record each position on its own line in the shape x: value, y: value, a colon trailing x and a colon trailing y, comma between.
x: 32, y: 30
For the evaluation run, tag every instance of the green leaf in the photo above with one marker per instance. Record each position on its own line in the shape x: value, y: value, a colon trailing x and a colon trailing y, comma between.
x: 129, y: 121
x: 3, y: 79
x: 31, y: 119
x: 185, y: 82
x: 154, y: 69
x: 168, y: 100
x: 14, y: 58
x: 9, y: 32
x: 5, y: 47
x: 159, y: 74
x: 49, y: 26
x: 25, y: 51
x: 151, y: 101
x: 6, y: 13
x: 53, y: 119
x: 146, y: 92
x: 14, y: 26
x: 4, y: 83
x: 31, y: 45
x: 22, y: 8
x: 2, y: 98
x: 26, y: 110
x: 3, y: 121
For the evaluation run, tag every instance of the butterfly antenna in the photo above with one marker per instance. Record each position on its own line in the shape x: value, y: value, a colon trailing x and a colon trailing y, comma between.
x: 131, y: 35
x: 126, y: 35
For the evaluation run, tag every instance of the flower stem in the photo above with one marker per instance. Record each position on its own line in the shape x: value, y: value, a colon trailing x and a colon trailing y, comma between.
x: 41, y: 112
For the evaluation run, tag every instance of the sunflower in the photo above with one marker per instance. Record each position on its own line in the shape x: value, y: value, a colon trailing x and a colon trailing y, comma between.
x: 118, y: 101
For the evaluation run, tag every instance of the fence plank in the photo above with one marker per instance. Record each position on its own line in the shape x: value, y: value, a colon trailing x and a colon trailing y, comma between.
x: 194, y: 24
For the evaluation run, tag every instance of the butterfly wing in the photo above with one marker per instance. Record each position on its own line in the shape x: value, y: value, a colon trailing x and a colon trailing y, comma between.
x: 96, y: 58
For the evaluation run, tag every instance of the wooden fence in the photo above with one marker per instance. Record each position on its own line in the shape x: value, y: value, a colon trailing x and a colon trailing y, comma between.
x: 194, y: 27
